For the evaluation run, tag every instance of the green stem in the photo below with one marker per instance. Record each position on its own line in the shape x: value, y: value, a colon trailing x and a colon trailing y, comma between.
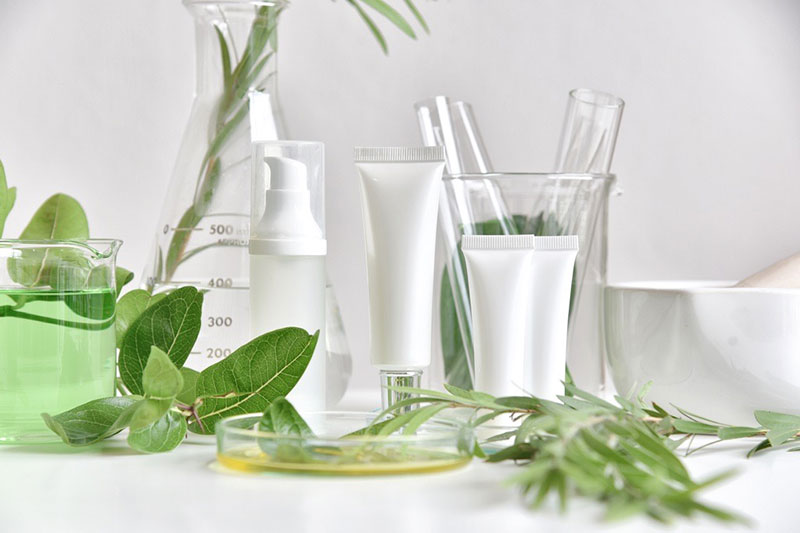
x: 9, y: 311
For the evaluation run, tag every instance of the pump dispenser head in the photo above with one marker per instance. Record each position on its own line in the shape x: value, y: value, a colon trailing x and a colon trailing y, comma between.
x: 288, y: 226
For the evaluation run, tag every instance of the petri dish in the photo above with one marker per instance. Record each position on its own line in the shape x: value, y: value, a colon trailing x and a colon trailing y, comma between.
x: 437, y: 445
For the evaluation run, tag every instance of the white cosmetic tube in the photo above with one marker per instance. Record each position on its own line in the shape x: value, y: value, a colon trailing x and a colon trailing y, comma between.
x: 399, y: 203
x: 546, y: 345
x: 499, y: 273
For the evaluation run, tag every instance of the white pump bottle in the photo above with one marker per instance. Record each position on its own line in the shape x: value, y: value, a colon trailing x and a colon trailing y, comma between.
x: 287, y: 271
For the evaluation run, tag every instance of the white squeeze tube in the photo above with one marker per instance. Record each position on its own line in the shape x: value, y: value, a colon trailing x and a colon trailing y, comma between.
x: 399, y: 203
x: 287, y: 255
x: 546, y: 343
x: 499, y: 274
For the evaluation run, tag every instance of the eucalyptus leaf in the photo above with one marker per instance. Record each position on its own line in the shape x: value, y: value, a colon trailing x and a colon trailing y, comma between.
x: 7, y: 198
x: 253, y: 376
x: 161, y: 380
x: 148, y: 411
x: 172, y: 325
x: 60, y: 217
x: 94, y: 420
x: 130, y: 306
x: 123, y: 276
x: 188, y: 393
x: 163, y: 435
x: 282, y: 418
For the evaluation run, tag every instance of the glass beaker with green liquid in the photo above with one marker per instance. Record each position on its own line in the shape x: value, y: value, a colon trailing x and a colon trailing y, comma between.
x: 57, y: 340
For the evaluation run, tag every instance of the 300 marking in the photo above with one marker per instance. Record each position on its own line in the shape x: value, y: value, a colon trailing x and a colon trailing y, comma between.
x: 220, y: 321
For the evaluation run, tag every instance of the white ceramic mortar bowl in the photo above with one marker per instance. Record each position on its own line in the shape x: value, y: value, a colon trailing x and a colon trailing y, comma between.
x: 714, y: 350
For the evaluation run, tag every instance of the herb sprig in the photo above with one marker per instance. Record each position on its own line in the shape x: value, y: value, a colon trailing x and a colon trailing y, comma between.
x: 242, y: 75
x: 624, y: 455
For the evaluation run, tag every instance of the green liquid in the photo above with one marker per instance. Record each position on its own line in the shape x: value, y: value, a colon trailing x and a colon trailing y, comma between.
x: 57, y: 351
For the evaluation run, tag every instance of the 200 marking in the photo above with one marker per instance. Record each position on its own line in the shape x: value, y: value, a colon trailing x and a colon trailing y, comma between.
x: 217, y: 353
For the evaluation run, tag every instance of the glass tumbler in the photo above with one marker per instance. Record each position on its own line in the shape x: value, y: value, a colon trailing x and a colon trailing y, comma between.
x: 57, y: 339
x: 540, y: 204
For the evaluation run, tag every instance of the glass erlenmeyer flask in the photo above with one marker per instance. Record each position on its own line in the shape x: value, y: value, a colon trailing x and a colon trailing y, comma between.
x: 201, y: 237
x: 202, y: 233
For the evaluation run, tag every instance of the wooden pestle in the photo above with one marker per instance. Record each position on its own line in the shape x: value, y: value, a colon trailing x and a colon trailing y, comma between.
x: 785, y: 274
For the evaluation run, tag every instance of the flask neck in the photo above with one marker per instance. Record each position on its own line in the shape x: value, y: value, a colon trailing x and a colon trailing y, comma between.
x: 235, y: 44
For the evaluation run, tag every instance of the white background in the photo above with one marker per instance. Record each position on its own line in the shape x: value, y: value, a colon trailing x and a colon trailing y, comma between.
x: 94, y: 95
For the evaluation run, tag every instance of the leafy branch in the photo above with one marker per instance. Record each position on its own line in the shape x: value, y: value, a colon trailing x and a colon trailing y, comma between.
x: 165, y: 400
x: 240, y: 76
x: 623, y: 455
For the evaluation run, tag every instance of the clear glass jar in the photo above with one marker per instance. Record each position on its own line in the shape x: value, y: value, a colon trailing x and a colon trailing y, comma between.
x: 540, y: 204
x: 57, y: 310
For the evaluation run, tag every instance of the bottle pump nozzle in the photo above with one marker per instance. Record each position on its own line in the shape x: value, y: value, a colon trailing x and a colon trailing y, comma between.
x: 288, y: 225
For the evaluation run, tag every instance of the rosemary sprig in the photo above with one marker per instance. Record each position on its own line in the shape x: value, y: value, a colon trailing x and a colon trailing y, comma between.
x: 623, y: 455
x: 240, y: 76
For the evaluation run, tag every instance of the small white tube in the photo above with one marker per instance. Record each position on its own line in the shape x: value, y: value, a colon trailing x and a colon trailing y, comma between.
x: 546, y: 346
x: 499, y: 273
x: 399, y: 203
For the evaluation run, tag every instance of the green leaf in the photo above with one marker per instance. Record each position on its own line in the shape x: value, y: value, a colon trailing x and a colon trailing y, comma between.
x: 172, y: 325
x: 226, y: 60
x: 282, y: 418
x: 163, y: 435
x: 370, y: 430
x: 421, y: 416
x: 418, y: 15
x: 370, y: 24
x: 455, y: 358
x: 763, y: 445
x: 516, y: 452
x: 123, y: 276
x: 391, y: 15
x: 253, y: 376
x: 129, y: 307
x: 782, y: 427
x: 59, y: 217
x: 578, y: 393
x: 690, y: 426
x: 735, y: 432
x: 773, y: 420
x: 780, y: 436
x: 481, y: 397
x: 180, y: 239
x: 7, y: 198
x: 188, y: 393
x: 148, y: 411
x: 527, y: 403
x: 93, y: 421
x: 161, y: 379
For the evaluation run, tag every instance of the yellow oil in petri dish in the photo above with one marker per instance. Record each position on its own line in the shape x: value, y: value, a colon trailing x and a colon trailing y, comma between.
x: 436, y: 446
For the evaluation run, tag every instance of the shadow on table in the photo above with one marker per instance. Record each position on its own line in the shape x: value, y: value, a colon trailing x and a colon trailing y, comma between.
x: 107, y: 447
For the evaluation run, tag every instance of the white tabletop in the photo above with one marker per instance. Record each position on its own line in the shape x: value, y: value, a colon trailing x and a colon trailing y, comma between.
x: 110, y: 488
